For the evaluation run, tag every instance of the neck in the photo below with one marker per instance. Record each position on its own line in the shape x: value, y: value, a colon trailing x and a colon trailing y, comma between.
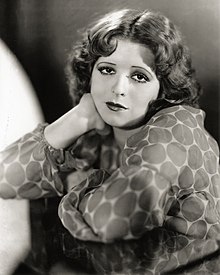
x: 121, y: 135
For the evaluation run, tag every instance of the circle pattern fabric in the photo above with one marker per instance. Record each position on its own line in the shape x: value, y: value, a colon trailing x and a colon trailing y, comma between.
x: 167, y: 175
x: 172, y: 168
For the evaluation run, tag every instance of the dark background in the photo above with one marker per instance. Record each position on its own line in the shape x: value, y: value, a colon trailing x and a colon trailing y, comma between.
x: 40, y: 33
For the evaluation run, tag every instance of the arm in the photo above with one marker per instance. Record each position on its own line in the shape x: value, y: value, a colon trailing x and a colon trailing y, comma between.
x: 30, y: 168
x: 154, y: 182
x: 78, y: 121
x: 126, y: 204
x: 130, y: 202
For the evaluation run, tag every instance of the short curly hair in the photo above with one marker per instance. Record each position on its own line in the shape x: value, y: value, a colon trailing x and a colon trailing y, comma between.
x: 172, y: 61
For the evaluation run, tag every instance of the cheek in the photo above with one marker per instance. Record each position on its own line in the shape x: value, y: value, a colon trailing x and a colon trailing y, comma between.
x: 96, y: 93
x: 154, y: 91
x: 155, y: 88
x: 146, y: 95
x: 92, y: 83
x: 96, y: 85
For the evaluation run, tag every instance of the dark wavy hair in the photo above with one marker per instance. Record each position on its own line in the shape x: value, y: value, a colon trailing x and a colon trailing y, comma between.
x: 172, y: 63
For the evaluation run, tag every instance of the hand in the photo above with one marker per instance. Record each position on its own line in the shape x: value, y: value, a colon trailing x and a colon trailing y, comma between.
x: 79, y: 120
x: 75, y: 178
x: 88, y: 110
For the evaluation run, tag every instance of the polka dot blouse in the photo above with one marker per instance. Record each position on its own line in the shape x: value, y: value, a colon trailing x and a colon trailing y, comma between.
x: 167, y: 175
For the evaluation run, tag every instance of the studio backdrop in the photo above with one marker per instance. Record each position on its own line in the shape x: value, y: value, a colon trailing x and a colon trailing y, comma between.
x: 41, y: 33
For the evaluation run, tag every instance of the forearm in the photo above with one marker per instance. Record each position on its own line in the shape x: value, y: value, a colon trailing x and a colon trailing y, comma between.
x: 65, y: 130
x: 31, y: 168
x: 27, y: 170
x: 129, y: 213
x: 124, y: 206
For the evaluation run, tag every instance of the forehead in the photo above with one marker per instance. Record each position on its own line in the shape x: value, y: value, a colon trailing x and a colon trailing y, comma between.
x: 130, y: 53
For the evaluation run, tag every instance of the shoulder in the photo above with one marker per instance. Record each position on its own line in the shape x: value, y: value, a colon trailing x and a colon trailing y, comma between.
x: 177, y: 122
x: 173, y: 138
x: 181, y: 114
x: 186, y: 125
x: 179, y: 127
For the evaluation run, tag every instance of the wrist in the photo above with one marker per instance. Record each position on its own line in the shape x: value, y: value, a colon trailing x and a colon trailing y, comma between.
x: 65, y: 130
x: 86, y: 118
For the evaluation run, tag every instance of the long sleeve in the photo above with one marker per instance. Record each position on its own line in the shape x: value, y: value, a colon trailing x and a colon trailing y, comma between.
x: 168, y: 176
x: 124, y: 206
x: 30, y: 168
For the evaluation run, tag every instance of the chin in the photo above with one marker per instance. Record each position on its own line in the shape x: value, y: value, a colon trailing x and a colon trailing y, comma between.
x: 114, y: 124
x: 128, y: 125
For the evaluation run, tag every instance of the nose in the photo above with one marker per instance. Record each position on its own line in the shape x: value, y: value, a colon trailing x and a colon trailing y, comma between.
x: 120, y: 86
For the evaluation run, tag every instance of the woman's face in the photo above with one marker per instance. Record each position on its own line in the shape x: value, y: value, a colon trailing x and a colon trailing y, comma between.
x: 123, y: 84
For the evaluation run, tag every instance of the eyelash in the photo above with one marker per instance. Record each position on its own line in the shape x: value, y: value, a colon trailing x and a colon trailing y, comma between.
x: 101, y: 69
x: 146, y: 79
x: 112, y: 71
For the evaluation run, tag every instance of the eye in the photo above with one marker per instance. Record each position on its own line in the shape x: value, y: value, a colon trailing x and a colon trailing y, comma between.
x: 139, y: 77
x: 106, y: 70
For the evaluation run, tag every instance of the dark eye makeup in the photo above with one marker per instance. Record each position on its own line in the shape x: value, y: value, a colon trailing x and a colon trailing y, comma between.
x: 140, y: 77
x: 106, y: 70
x: 137, y: 76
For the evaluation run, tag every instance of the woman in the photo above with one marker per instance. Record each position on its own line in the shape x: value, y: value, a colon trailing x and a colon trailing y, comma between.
x: 133, y: 153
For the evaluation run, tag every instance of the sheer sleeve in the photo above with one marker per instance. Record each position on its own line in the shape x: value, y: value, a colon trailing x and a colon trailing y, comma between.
x: 152, y: 184
x: 30, y: 168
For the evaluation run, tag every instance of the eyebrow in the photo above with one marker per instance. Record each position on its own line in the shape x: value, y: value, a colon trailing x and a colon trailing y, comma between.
x: 137, y: 67
x: 106, y: 62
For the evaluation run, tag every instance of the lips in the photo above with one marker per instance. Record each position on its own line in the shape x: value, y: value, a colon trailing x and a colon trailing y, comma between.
x: 115, y: 106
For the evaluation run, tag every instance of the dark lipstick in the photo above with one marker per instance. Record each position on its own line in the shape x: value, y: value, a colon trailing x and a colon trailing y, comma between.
x: 115, y: 106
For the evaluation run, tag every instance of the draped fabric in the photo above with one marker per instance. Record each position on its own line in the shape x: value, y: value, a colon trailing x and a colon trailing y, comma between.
x: 167, y: 175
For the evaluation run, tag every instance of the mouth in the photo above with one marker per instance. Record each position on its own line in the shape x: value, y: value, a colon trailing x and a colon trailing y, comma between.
x: 115, y: 106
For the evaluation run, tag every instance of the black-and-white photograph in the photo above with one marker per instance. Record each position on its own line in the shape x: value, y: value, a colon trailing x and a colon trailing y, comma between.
x: 109, y: 137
